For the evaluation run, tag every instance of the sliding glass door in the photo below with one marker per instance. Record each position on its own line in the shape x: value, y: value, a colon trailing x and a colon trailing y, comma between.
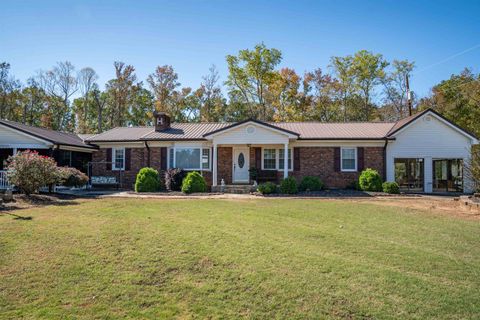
x: 447, y: 175
x: 409, y: 174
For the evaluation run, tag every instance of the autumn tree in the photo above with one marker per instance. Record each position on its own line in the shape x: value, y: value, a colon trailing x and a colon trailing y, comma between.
x: 324, y: 96
x: 60, y: 83
x: 210, y: 97
x: 395, y: 90
x: 343, y: 70
x: 368, y: 72
x: 121, y: 91
x: 33, y: 102
x: 250, y: 74
x: 87, y: 78
x: 283, y: 95
x: 9, y: 93
x: 458, y: 99
x: 164, y: 83
x: 143, y: 105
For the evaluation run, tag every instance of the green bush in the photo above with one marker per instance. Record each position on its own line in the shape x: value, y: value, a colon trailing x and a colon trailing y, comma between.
x: 147, y: 180
x: 289, y: 186
x: 370, y: 180
x: 194, y: 182
x: 391, y: 187
x: 267, y: 188
x: 310, y: 184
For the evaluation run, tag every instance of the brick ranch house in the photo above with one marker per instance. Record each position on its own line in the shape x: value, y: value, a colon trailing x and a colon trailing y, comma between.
x: 423, y: 153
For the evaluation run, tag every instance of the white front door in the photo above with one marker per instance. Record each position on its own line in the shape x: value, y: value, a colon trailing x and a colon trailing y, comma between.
x: 241, y: 164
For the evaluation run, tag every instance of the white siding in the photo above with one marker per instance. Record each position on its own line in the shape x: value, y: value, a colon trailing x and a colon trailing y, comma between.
x: 10, y: 138
x: 240, y: 135
x: 429, y: 140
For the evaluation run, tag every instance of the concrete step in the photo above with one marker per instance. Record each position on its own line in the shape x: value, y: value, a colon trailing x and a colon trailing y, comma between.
x: 234, y: 188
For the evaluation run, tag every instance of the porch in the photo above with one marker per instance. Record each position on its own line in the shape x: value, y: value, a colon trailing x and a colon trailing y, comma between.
x: 247, y: 146
x: 242, y: 164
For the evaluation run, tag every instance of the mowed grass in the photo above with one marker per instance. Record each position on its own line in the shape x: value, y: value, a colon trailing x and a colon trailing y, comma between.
x: 219, y: 259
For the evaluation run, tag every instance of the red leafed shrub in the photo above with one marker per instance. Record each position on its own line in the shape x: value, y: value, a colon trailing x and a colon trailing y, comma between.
x: 29, y: 171
x: 71, y: 177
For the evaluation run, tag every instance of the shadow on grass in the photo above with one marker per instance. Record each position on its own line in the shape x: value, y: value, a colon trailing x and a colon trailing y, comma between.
x: 15, y: 216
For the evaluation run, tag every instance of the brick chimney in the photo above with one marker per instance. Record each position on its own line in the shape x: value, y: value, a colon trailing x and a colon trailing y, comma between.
x: 162, y: 121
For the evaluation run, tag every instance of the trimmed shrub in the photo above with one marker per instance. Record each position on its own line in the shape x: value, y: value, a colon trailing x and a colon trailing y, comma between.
x: 310, y: 183
x: 147, y: 180
x: 289, y: 186
x: 174, y: 178
x: 370, y: 180
x: 391, y: 187
x: 71, y: 177
x: 29, y: 171
x: 194, y: 182
x: 267, y: 188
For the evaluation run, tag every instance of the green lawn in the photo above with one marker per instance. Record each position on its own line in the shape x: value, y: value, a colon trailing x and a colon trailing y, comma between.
x: 260, y: 259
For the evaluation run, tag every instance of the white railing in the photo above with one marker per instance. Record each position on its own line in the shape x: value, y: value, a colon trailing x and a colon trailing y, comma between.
x: 3, y: 180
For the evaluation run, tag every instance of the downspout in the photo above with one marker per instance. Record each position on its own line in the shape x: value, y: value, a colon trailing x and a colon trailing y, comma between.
x: 148, y: 153
x: 385, y: 160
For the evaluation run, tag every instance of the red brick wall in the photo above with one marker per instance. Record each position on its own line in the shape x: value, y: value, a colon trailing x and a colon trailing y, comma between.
x: 224, y: 164
x: 138, y: 160
x: 314, y: 161
x: 319, y: 162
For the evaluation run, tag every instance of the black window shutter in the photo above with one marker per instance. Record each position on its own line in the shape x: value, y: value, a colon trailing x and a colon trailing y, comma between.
x: 296, y: 159
x: 109, y: 159
x: 360, y: 158
x: 128, y: 158
x: 336, y: 159
x: 258, y: 158
x: 163, y: 158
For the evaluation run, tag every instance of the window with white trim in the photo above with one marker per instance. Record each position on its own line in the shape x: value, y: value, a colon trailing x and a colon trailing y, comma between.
x: 189, y: 158
x: 273, y: 159
x: 269, y: 159
x: 118, y: 156
x: 349, y: 159
x: 281, y: 157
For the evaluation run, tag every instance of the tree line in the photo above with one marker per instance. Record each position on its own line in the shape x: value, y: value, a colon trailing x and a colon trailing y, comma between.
x: 363, y: 86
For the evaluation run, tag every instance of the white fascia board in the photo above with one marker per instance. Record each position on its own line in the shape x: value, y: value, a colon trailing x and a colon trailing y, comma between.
x: 279, y: 131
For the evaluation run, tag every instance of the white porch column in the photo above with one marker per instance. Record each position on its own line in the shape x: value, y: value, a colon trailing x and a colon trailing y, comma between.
x: 428, y: 174
x: 285, y: 161
x: 214, y: 159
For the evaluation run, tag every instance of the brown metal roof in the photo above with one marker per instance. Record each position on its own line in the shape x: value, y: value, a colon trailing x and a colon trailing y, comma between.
x: 305, y: 130
x: 121, y: 134
x: 55, y: 137
x: 338, y: 131
x: 196, y: 131
x: 186, y: 131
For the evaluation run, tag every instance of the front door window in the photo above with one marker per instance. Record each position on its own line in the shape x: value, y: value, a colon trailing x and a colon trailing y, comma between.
x: 241, y: 160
